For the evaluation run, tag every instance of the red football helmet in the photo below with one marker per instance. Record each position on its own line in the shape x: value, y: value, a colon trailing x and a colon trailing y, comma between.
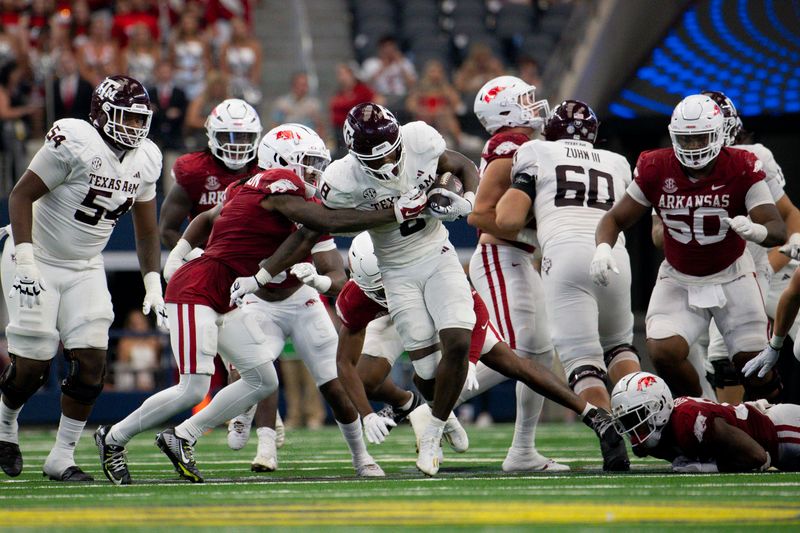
x: 372, y: 134
x: 121, y: 112
x: 572, y: 119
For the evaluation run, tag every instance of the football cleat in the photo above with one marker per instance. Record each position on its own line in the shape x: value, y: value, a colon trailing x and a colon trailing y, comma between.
x: 530, y: 460
x: 419, y: 419
x: 370, y: 470
x: 71, y: 475
x: 181, y: 453
x: 266, y: 459
x: 10, y: 458
x: 239, y: 429
x: 280, y: 431
x: 113, y: 458
x: 428, y: 458
x: 399, y: 415
x: 612, y: 445
x: 455, y: 435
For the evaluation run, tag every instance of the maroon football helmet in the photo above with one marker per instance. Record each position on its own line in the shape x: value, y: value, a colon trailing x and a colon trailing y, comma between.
x: 572, y: 119
x: 733, y: 124
x: 372, y: 134
x: 121, y: 111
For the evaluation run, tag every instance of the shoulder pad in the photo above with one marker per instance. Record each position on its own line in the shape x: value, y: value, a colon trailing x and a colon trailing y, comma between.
x: 419, y: 138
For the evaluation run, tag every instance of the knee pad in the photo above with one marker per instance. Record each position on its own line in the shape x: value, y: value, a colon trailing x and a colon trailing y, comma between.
x: 618, y: 354
x: 74, y: 385
x: 768, y: 391
x: 724, y: 375
x: 14, y: 390
x: 585, y: 377
x: 426, y: 367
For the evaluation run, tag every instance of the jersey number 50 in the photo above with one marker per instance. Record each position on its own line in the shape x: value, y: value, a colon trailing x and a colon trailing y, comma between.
x: 577, y: 187
x: 98, y: 211
x: 683, y: 232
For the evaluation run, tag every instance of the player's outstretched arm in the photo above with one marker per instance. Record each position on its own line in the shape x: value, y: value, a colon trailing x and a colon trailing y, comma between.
x: 462, y: 167
x: 764, y: 227
x: 622, y: 216
x: 494, y: 183
x: 348, y: 352
x: 329, y: 264
x: 514, y: 206
x: 176, y: 207
x: 735, y: 450
x: 148, y: 249
x: 323, y: 219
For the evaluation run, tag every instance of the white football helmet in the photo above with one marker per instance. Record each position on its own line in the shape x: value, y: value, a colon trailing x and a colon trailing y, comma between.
x: 697, y: 130
x: 364, y: 268
x: 507, y: 101
x: 233, y: 129
x: 297, y: 148
x: 641, y: 405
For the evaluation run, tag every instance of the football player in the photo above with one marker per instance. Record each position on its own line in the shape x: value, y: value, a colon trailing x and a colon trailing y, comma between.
x: 703, y: 193
x: 570, y: 185
x: 362, y: 304
x: 250, y: 226
x: 426, y: 289
x: 502, y: 267
x: 699, y: 435
x: 83, y: 179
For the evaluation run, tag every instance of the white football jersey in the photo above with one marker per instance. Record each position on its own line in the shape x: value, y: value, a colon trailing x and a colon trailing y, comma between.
x: 575, y: 185
x: 346, y: 185
x: 776, y: 182
x: 89, y: 189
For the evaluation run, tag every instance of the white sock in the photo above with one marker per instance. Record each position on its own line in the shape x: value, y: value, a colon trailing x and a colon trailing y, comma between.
x: 9, y: 428
x: 529, y: 407
x: 160, y: 407
x: 355, y: 441
x: 62, y: 456
x: 406, y: 406
x: 265, y: 433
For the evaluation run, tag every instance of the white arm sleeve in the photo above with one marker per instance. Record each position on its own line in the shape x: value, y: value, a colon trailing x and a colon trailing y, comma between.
x: 636, y: 193
x: 758, y: 194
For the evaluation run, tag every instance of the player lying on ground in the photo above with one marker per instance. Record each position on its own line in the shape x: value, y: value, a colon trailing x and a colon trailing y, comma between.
x: 362, y: 303
x: 699, y: 435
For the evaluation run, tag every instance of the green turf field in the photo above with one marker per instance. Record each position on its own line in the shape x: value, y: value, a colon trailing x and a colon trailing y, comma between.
x: 314, y: 489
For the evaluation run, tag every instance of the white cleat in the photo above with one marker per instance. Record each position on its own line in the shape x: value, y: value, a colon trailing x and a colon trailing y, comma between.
x: 529, y: 460
x: 280, y: 432
x: 266, y: 459
x: 370, y: 470
x: 420, y: 419
x: 429, y: 454
x: 239, y: 429
x: 455, y: 435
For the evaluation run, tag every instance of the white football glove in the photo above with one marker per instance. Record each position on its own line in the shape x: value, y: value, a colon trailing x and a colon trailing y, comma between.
x: 377, y: 427
x: 243, y: 286
x: 764, y: 361
x: 746, y: 228
x: 792, y: 247
x: 602, y: 262
x: 410, y: 205
x: 685, y: 465
x: 307, y: 273
x: 154, y: 299
x: 175, y: 259
x: 28, y: 282
x: 460, y: 206
x: 472, y: 377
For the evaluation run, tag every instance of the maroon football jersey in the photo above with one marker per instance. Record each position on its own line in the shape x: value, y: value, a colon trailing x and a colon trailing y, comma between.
x: 695, y: 241
x: 357, y: 310
x: 205, y: 178
x: 242, y: 236
x: 504, y: 145
x: 690, y: 426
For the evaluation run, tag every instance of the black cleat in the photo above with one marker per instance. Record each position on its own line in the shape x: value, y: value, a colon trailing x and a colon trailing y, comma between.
x: 10, y: 458
x: 73, y: 474
x: 612, y: 445
x: 399, y: 415
x: 181, y: 453
x: 112, y: 458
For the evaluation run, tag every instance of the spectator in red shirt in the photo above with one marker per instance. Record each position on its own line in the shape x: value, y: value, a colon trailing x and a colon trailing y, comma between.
x: 350, y: 92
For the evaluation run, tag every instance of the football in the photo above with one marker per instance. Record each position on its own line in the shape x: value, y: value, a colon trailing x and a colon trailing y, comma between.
x: 448, y: 182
